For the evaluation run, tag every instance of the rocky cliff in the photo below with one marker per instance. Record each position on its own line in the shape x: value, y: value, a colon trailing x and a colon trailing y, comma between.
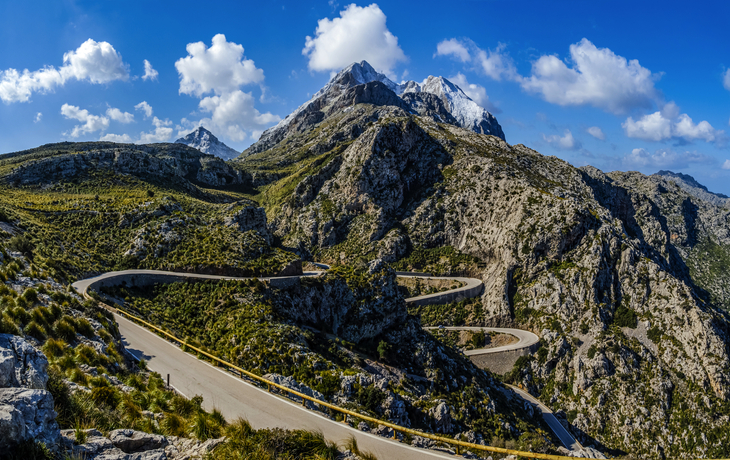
x: 623, y: 275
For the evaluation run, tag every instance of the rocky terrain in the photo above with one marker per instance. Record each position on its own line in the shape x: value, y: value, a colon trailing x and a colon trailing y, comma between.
x: 206, y: 142
x: 623, y: 275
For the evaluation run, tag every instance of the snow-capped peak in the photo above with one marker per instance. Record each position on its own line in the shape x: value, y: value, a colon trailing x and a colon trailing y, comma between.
x: 206, y: 142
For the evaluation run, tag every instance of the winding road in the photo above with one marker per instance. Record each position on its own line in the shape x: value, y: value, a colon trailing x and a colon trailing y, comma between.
x: 235, y: 397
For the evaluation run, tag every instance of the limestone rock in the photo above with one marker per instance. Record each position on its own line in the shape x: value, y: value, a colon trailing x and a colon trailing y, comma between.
x: 21, y: 365
x: 26, y: 414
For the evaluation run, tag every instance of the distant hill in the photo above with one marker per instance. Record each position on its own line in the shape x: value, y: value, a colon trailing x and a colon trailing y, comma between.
x: 694, y: 188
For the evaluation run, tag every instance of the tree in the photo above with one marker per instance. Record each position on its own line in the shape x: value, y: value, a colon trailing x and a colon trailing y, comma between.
x: 383, y: 349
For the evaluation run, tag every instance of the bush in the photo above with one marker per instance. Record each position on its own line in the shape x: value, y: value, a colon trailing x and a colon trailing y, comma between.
x: 625, y: 317
x: 105, y: 396
x: 21, y: 244
x: 478, y: 339
x: 65, y: 330
x: 654, y: 334
x: 35, y: 330
x: 383, y: 349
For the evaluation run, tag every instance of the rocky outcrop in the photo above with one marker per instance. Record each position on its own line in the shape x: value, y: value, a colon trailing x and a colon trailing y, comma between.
x: 157, y: 160
x: 26, y: 408
x: 21, y: 365
x: 26, y: 414
x: 354, y: 315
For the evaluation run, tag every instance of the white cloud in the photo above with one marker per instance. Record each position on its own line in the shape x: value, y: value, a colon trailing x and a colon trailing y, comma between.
x: 233, y: 114
x: 38, y: 117
x: 670, y: 124
x: 453, y: 47
x: 665, y: 159
x: 598, y: 77
x: 726, y: 80
x: 218, y: 69
x: 496, y: 63
x: 149, y: 72
x: 117, y: 115
x: 726, y: 165
x: 222, y: 70
x: 596, y: 132
x: 121, y: 138
x: 162, y: 132
x: 564, y: 142
x: 91, y: 123
x: 96, y: 62
x: 358, y: 34
x: 145, y: 108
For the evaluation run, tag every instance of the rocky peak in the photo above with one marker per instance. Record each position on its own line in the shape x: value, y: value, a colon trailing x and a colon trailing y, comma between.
x: 694, y: 188
x: 206, y: 142
x: 455, y: 107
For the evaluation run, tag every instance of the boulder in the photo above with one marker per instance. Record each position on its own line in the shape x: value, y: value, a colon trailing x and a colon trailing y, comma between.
x: 131, y: 441
x: 21, y: 365
x: 442, y: 418
x: 26, y: 414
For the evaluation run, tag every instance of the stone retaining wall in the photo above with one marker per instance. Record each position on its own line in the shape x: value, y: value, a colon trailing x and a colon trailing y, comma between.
x: 503, y: 361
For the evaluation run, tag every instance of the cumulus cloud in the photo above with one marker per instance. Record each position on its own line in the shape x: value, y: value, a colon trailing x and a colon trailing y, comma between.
x: 149, y: 72
x: 145, y: 108
x: 726, y: 80
x: 665, y: 159
x: 564, y: 142
x: 95, y: 62
x: 726, y: 165
x: 453, y: 47
x: 91, y: 123
x: 219, y: 69
x: 161, y: 133
x: 216, y: 75
x: 592, y: 76
x: 121, y: 138
x: 358, y: 34
x: 598, y: 77
x: 494, y: 63
x: 233, y: 114
x: 596, y: 132
x: 668, y: 124
x: 38, y: 117
x: 117, y: 115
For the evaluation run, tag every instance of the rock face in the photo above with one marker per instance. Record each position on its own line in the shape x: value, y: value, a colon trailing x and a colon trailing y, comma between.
x: 438, y: 99
x: 21, y: 365
x: 160, y: 160
x: 206, y: 142
x: 353, y: 315
x: 624, y: 275
x: 26, y: 408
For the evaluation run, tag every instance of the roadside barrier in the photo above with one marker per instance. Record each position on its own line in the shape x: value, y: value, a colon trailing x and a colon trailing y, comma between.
x: 459, y: 446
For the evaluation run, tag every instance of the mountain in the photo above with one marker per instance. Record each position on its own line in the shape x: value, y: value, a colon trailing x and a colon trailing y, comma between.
x: 694, y: 188
x: 450, y: 105
x: 206, y: 142
x: 623, y: 276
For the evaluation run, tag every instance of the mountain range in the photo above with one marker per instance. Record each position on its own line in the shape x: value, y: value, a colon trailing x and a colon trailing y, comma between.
x: 623, y: 276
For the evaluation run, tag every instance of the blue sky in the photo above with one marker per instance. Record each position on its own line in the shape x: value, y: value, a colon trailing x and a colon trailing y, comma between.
x: 619, y: 85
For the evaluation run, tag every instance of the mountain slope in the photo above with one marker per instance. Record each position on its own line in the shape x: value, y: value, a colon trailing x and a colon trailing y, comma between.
x: 206, y: 142
x: 454, y: 107
x: 604, y: 267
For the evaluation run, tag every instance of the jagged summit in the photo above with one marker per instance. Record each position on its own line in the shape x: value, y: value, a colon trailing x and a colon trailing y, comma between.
x: 450, y: 104
x: 467, y: 113
x: 206, y: 142
x: 694, y: 188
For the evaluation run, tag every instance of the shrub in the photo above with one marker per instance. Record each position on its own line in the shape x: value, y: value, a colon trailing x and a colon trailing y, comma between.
x: 383, y: 349
x: 20, y: 243
x: 35, y: 330
x: 592, y: 351
x: 64, y: 330
x: 54, y: 348
x: 83, y: 327
x: 478, y: 339
x: 625, y: 317
x: 105, y: 396
x: 654, y: 334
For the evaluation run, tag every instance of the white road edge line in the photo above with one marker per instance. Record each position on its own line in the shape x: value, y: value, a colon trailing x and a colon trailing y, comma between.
x: 287, y: 401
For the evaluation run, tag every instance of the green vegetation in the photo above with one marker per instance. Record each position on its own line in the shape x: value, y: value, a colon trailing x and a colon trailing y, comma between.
x: 468, y: 311
x: 441, y: 261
